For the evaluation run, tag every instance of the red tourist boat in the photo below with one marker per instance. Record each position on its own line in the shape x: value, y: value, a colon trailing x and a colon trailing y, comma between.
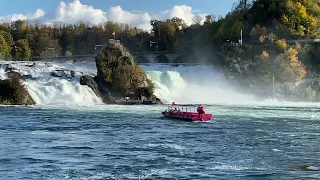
x: 186, y: 112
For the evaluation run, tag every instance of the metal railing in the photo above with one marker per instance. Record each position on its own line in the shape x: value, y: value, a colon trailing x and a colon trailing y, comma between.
x: 185, y: 64
x: 94, y: 55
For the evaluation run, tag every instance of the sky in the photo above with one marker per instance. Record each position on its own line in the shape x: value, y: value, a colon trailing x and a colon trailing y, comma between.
x: 134, y: 12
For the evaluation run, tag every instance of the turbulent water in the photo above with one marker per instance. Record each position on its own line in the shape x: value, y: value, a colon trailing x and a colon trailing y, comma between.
x: 183, y: 84
x: 69, y: 134
x: 134, y: 142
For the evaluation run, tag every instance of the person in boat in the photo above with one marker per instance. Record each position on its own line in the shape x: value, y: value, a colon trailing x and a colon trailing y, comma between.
x: 200, y: 111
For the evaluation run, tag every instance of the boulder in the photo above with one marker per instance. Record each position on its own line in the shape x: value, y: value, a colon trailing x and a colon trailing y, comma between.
x: 7, y: 67
x: 119, y: 80
x: 89, y: 81
x: 13, y: 92
x: 16, y: 74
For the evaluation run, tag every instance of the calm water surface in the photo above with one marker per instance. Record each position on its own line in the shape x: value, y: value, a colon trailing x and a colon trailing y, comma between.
x: 135, y: 142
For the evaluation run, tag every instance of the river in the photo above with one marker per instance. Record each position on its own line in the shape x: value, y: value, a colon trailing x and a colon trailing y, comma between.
x: 70, y: 134
x: 135, y: 142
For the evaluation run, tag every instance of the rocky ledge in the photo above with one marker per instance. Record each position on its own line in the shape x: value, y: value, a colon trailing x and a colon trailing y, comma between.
x: 119, y: 80
x: 13, y: 91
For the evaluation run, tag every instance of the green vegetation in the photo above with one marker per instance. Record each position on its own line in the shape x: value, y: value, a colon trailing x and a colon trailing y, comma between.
x: 116, y: 71
x: 115, y: 66
x: 6, y: 43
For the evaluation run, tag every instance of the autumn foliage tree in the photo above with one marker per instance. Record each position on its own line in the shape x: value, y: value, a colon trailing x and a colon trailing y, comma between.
x: 285, y: 67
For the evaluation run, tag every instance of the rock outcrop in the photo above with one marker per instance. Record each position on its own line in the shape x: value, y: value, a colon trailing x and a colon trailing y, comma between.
x: 119, y: 80
x: 13, y: 92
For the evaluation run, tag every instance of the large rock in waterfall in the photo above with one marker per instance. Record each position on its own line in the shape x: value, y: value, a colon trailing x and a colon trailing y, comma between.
x: 119, y: 80
x: 13, y: 92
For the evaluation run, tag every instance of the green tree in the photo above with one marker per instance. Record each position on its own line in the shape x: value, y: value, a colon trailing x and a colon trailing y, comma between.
x: 197, y: 19
x: 5, y: 45
x: 167, y: 32
x: 48, y: 47
x: 21, y: 50
x: 258, y: 32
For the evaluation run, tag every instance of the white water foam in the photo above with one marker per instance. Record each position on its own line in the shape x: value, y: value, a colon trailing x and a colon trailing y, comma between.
x: 60, y: 91
x: 193, y: 84
x: 48, y: 90
x: 2, y: 74
x: 182, y: 84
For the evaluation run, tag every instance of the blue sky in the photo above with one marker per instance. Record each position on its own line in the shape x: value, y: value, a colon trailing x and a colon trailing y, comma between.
x: 217, y: 7
x: 137, y: 13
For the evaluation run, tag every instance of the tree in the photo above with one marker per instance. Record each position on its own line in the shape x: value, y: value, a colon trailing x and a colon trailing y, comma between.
x: 48, y: 47
x: 281, y: 44
x: 167, y: 31
x: 290, y: 66
x: 209, y: 19
x: 258, y: 32
x: 5, y: 45
x: 5, y: 27
x: 21, y: 50
x: 271, y: 37
x: 197, y: 19
x: 18, y: 29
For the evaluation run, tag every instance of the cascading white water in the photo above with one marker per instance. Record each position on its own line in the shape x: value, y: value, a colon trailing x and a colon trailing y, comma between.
x: 52, y: 91
x: 48, y: 90
x: 2, y: 74
x: 183, y: 84
x: 168, y: 84
x: 193, y: 84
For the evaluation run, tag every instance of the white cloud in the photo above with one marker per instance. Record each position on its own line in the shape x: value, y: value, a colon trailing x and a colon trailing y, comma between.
x: 30, y: 16
x: 76, y: 11
x: 140, y: 20
x: 183, y: 11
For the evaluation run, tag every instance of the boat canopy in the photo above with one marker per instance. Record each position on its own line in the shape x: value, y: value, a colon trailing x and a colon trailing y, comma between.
x: 190, y: 105
x: 183, y: 107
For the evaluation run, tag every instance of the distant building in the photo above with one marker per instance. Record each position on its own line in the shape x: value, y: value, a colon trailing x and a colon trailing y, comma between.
x: 291, y: 86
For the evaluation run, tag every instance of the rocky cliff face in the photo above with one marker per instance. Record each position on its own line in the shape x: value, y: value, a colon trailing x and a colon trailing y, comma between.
x: 119, y: 80
x: 13, y: 92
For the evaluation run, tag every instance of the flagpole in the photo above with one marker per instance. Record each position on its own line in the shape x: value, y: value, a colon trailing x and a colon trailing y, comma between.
x: 273, y: 86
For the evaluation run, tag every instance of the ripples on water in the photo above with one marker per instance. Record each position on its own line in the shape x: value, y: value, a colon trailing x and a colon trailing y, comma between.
x: 134, y: 142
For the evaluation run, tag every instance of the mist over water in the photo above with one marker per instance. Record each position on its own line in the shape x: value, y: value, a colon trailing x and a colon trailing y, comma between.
x: 182, y: 84
x: 193, y: 84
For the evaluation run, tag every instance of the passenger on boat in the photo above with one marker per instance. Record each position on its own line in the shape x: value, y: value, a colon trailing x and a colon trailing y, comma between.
x: 201, y: 111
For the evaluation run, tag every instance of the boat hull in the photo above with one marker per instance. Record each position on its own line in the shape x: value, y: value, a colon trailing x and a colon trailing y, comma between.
x: 187, y: 116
